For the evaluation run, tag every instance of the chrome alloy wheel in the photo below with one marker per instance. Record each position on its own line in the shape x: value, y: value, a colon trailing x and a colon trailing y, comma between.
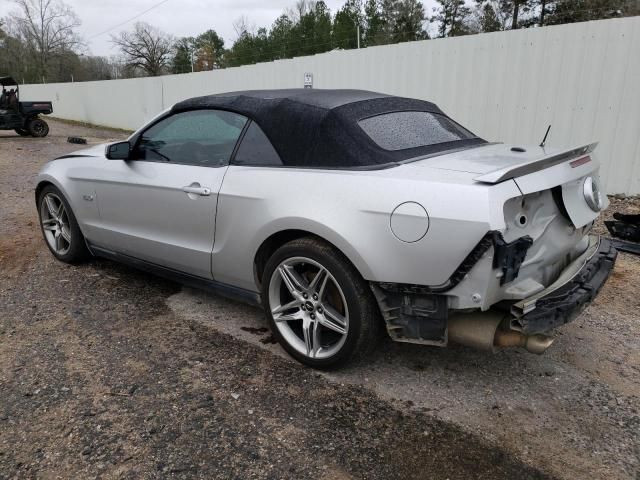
x: 308, y: 307
x: 55, y: 223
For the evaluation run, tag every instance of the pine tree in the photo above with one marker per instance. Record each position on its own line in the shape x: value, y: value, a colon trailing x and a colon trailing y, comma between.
x: 281, y: 37
x: 346, y: 23
x: 374, y: 24
x: 408, y: 20
x: 452, y: 18
x: 488, y: 19
x: 181, y: 61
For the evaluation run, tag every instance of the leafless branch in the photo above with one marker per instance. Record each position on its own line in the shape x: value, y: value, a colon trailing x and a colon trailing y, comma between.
x: 145, y: 47
x: 47, y: 27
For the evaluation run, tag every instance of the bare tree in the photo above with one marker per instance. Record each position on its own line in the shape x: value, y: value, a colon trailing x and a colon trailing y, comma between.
x: 242, y: 26
x: 146, y: 48
x: 47, y: 28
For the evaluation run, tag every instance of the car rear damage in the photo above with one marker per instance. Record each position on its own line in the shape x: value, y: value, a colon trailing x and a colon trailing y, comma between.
x: 525, y: 279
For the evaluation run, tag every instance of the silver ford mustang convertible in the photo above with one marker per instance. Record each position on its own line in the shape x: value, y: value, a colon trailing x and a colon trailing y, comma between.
x: 342, y: 213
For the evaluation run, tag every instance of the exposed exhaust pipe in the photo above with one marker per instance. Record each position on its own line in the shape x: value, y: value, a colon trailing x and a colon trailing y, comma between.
x: 480, y: 330
x: 532, y: 343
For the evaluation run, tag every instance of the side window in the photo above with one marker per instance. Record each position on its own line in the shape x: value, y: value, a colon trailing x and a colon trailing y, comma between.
x: 256, y: 149
x: 198, y: 137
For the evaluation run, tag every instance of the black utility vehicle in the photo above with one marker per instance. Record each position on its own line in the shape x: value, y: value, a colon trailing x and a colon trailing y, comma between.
x: 21, y: 116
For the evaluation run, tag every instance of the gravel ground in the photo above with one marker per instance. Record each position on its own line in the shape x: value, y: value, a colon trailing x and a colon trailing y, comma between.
x: 111, y: 373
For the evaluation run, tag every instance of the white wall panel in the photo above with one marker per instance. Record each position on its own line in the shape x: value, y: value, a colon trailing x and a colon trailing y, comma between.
x: 582, y: 78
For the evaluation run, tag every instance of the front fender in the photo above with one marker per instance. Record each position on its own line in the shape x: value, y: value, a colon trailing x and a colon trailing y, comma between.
x: 69, y: 175
x: 44, y: 178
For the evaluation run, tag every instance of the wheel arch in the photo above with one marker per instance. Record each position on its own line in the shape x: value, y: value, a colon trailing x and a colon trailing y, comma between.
x: 279, y: 238
x: 44, y: 182
x: 40, y: 186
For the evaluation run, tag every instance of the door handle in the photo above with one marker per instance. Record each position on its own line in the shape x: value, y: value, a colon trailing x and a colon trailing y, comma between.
x: 196, y: 189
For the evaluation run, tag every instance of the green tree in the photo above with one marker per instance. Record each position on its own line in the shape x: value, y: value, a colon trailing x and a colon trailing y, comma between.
x: 374, y: 23
x: 488, y: 19
x: 314, y: 29
x: 281, y: 37
x: 209, y: 50
x: 400, y: 21
x: 262, y: 46
x: 408, y: 20
x: 569, y: 11
x: 183, y: 49
x: 452, y: 17
x: 347, y: 24
x: 242, y: 51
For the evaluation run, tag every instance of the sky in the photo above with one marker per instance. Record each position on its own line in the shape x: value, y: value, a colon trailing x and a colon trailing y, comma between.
x: 180, y: 18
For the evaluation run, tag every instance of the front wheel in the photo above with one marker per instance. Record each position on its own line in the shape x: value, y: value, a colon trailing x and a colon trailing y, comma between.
x: 60, y: 227
x: 318, y: 306
x: 38, y: 127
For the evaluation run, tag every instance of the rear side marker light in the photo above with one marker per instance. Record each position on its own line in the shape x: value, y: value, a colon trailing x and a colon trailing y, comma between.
x: 580, y: 161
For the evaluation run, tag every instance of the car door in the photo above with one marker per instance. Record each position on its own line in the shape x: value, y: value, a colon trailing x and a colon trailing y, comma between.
x: 251, y: 183
x: 160, y: 205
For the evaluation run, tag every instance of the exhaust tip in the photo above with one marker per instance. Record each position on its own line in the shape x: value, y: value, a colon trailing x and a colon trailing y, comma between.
x: 482, y: 331
x: 538, y: 344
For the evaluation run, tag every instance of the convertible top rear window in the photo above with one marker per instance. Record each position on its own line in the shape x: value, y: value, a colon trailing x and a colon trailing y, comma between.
x: 402, y: 130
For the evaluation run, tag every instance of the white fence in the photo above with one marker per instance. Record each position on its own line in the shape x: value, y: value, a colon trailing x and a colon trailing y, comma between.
x: 583, y: 79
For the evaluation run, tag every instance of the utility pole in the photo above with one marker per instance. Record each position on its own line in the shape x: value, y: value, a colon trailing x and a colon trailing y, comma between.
x: 358, y: 33
x: 192, y: 70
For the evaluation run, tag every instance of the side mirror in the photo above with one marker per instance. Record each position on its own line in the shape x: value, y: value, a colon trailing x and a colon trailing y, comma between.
x: 118, y: 151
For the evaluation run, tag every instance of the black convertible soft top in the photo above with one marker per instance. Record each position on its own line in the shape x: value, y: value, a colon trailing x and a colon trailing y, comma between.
x: 319, y: 128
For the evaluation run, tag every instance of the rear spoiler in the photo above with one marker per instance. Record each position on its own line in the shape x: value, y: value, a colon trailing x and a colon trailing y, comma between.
x: 531, y: 166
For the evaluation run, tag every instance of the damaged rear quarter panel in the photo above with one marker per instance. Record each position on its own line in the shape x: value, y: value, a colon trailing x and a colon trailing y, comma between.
x: 352, y: 210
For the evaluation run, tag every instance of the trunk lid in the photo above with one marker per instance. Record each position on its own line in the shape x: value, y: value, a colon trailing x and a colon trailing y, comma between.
x: 533, y: 169
x: 496, y: 163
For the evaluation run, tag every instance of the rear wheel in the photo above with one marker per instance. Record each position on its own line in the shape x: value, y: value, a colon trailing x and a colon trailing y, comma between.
x: 38, y: 127
x: 60, y: 227
x: 319, y: 308
x: 22, y: 132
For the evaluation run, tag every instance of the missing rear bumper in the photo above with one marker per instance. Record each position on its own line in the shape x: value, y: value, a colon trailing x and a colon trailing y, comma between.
x: 576, y: 287
x: 412, y: 314
x: 415, y: 314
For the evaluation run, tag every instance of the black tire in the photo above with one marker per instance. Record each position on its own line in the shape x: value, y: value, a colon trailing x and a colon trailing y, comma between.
x: 364, y: 322
x: 22, y: 132
x: 77, y: 249
x: 37, y: 127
